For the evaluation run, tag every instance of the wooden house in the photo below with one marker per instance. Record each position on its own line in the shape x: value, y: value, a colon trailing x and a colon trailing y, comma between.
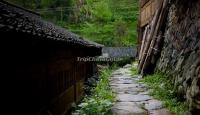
x: 40, y: 72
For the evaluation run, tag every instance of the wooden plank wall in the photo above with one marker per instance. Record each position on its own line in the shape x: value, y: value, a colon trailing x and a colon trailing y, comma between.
x: 67, y: 83
x: 143, y: 2
x: 40, y: 76
x: 147, y: 11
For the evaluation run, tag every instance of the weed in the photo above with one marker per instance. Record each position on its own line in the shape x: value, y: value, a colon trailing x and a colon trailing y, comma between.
x: 163, y: 89
x: 134, y: 71
x: 101, y: 100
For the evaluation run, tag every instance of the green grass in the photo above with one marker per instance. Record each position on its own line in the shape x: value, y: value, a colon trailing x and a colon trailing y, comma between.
x: 163, y: 89
x: 101, y: 100
x: 111, y: 22
x: 134, y: 71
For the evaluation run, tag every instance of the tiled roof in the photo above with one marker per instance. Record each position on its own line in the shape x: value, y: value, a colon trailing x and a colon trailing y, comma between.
x: 14, y: 18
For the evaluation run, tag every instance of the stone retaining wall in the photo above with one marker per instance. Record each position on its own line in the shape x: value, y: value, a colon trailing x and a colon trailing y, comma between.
x: 180, y: 56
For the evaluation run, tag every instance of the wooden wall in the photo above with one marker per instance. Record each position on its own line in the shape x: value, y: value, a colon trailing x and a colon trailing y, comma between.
x: 147, y: 10
x: 143, y: 2
x: 42, y: 76
x: 66, y: 82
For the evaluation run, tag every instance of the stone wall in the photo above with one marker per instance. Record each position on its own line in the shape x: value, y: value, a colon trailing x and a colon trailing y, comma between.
x: 180, y: 55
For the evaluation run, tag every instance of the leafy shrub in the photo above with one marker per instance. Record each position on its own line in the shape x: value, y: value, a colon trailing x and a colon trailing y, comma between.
x: 102, y: 99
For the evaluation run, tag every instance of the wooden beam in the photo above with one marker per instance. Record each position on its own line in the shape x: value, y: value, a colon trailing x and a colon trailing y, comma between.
x: 153, y: 25
x: 154, y: 37
x: 143, y: 41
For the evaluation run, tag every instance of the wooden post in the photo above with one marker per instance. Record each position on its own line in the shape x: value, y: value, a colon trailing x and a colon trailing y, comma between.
x: 146, y: 47
x: 143, y: 41
x: 157, y: 29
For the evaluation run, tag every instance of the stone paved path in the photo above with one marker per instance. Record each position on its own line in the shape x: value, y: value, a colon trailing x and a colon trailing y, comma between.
x: 132, y: 97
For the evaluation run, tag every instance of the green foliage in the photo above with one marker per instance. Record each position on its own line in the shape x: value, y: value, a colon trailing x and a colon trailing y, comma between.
x: 162, y: 88
x: 46, y: 3
x: 134, y: 71
x: 102, y: 16
x: 108, y: 22
x: 102, y: 99
x: 99, y: 33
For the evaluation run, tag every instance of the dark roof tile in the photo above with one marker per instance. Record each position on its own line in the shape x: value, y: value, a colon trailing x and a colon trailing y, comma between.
x: 22, y: 20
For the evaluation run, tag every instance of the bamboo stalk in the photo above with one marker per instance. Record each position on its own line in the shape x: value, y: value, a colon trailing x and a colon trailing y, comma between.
x: 143, y: 42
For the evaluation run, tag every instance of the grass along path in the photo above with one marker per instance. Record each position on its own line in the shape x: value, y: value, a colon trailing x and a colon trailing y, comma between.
x: 101, y: 100
x: 161, y: 88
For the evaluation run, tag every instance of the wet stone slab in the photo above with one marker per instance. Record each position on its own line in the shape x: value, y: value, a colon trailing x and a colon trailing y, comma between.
x: 132, y: 97
x: 124, y: 85
x: 160, y: 112
x: 127, y: 108
x: 145, y: 93
x: 121, y: 82
x: 153, y: 105
x: 125, y: 76
x: 127, y: 89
